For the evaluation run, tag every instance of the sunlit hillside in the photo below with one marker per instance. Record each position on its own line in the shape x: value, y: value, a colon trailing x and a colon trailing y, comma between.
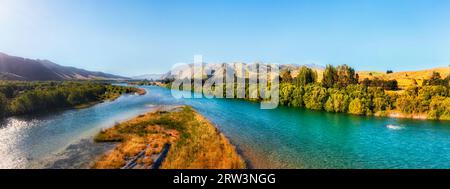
x: 406, y: 78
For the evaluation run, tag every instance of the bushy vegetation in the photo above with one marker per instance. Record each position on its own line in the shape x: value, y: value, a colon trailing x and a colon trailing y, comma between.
x: 437, y: 80
x: 385, y: 84
x: 340, y: 91
x: 354, y: 99
x: 3, y: 105
x: 431, y: 100
x: 305, y: 75
x: 17, y: 98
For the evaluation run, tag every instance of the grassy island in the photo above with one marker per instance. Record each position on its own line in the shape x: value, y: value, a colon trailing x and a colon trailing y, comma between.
x: 178, y: 137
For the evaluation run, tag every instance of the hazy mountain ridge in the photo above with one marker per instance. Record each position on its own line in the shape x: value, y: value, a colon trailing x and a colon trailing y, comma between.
x: 18, y: 68
x: 148, y: 77
x: 208, y: 68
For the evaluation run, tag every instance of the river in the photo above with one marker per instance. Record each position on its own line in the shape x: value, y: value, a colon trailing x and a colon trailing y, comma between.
x: 280, y: 138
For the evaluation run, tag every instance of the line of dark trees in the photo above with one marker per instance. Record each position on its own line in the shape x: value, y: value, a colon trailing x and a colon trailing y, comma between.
x: 385, y: 84
x: 336, y: 77
x: 18, y: 98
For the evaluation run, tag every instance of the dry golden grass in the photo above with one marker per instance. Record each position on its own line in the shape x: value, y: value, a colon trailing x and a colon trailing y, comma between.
x: 406, y: 78
x: 196, y: 143
x: 202, y: 147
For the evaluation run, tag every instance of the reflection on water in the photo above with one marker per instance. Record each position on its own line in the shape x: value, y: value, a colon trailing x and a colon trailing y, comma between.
x: 394, y: 127
x: 11, y: 133
x: 26, y: 142
x: 280, y: 138
x: 77, y: 156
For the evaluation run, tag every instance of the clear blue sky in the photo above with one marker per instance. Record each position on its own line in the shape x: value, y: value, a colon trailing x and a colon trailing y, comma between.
x: 131, y: 37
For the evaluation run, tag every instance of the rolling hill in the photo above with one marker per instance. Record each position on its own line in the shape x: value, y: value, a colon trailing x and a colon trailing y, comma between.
x: 23, y: 69
x: 406, y: 78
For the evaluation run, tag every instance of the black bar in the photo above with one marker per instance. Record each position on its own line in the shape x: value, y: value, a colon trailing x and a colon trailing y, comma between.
x: 134, y: 178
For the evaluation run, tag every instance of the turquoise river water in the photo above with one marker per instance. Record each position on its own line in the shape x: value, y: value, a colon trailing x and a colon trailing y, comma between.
x: 280, y: 138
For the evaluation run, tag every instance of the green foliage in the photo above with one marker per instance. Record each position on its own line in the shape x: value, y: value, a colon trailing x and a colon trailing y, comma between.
x: 339, y: 92
x: 7, y: 91
x: 330, y: 76
x: 315, y: 97
x: 3, y: 104
x: 346, y: 76
x: 407, y: 104
x: 337, y: 101
x: 297, y: 97
x: 385, y: 84
x: 356, y: 107
x: 329, y: 105
x: 361, y: 100
x: 341, y: 76
x: 33, y: 97
x: 305, y: 76
x: 285, y: 76
x: 286, y: 90
x: 367, y: 100
x: 439, y: 108
x: 437, y: 80
x: 424, y: 100
x: 380, y: 104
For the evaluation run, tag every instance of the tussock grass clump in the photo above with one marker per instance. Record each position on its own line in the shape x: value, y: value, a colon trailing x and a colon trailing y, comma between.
x: 195, y: 142
x: 201, y: 146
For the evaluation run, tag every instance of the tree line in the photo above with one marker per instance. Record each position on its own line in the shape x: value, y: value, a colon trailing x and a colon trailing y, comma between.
x: 340, y: 91
x: 18, y: 98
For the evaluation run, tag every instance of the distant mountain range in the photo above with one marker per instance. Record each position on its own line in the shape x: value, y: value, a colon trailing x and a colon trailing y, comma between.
x: 148, y: 77
x: 209, y: 68
x: 23, y: 69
